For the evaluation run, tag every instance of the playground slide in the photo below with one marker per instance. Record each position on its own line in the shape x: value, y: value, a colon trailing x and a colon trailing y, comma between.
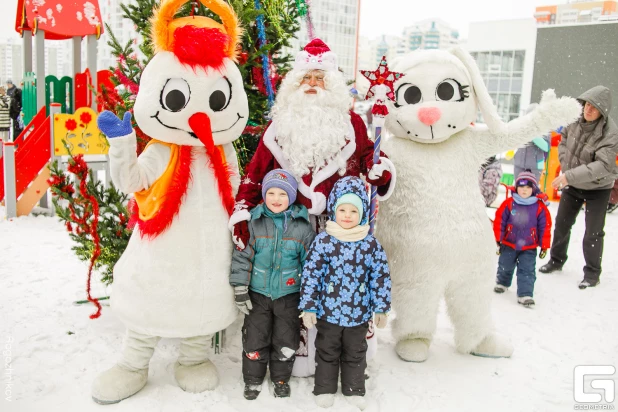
x: 32, y: 156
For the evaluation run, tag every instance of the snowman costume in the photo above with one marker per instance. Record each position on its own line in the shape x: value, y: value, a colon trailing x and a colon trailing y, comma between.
x: 434, y: 227
x: 172, y: 280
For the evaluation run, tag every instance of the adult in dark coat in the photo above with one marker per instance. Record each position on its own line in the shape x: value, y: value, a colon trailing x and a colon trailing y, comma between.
x: 587, y: 154
x: 14, y: 93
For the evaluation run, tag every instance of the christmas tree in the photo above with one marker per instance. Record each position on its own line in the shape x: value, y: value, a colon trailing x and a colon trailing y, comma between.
x: 97, y: 217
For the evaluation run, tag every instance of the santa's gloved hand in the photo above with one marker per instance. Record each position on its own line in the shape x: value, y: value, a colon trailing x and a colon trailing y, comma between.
x: 238, y: 225
x: 543, y: 253
x: 499, y: 248
x: 242, y: 300
x: 240, y: 235
x: 309, y: 319
x: 112, y: 126
x: 380, y: 174
x: 380, y: 319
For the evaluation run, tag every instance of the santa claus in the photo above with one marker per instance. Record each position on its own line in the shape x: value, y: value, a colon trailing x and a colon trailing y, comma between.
x: 314, y: 135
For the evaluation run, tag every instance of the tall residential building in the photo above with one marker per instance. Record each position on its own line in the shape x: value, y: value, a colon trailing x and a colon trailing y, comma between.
x: 336, y: 23
x: 10, y: 61
x: 506, y: 62
x: 577, y: 11
x: 429, y: 34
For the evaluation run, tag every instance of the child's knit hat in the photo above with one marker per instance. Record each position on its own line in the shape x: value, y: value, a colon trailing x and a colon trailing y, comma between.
x: 281, y: 179
x: 354, y: 200
x: 526, y: 178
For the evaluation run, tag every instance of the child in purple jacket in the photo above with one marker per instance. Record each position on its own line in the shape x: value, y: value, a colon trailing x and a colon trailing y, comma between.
x: 522, y: 224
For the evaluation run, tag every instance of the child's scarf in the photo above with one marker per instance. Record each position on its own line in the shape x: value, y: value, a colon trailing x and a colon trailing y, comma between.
x: 354, y: 234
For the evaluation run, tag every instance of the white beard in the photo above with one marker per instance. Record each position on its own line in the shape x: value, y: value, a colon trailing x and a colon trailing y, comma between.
x: 312, y: 128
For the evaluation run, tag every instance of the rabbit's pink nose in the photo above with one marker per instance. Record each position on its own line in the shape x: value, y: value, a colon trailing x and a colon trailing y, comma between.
x: 429, y: 115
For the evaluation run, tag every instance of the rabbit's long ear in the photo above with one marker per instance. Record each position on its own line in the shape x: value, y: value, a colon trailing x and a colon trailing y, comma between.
x: 488, y: 110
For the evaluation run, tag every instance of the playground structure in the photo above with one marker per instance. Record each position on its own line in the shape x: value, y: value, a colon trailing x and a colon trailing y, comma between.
x: 55, y: 110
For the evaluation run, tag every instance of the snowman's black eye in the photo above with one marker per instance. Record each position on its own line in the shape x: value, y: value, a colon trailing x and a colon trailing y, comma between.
x: 221, y: 96
x: 175, y: 95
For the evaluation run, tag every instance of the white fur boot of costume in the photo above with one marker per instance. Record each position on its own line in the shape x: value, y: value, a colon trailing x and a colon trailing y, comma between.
x: 325, y: 400
x: 434, y: 227
x: 130, y: 374
x: 193, y: 371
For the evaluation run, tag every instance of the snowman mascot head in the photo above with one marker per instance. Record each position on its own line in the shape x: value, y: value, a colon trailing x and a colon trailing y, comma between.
x: 191, y: 92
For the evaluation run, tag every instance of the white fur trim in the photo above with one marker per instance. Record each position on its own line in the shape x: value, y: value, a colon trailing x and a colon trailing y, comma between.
x: 391, y: 168
x: 238, y: 216
x: 377, y: 170
x: 326, y: 61
x: 324, y: 173
x: 318, y: 203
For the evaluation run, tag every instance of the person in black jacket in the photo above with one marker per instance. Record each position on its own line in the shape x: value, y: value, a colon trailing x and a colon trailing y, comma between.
x: 14, y: 93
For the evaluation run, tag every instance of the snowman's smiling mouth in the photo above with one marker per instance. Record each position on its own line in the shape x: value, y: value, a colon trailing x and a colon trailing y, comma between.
x: 156, y: 116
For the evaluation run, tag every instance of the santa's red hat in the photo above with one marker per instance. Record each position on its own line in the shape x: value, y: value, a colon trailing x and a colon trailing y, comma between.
x: 316, y: 56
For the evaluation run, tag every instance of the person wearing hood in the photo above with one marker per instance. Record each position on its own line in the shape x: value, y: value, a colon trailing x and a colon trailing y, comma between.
x: 587, y: 154
x: 346, y: 279
x: 266, y: 280
x: 522, y: 224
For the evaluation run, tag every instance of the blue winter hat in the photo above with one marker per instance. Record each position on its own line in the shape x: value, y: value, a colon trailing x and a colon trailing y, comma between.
x: 281, y: 179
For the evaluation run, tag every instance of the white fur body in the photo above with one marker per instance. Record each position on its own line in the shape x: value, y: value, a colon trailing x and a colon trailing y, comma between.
x: 434, y: 228
x: 177, y: 284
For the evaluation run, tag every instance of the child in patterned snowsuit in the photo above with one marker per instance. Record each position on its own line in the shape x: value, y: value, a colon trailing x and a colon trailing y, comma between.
x: 266, y: 280
x: 345, y: 281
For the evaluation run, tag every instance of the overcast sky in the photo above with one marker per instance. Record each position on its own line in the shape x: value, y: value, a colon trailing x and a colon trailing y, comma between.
x: 390, y: 16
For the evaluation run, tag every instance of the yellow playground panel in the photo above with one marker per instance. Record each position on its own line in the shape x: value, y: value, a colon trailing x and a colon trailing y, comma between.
x: 80, y: 132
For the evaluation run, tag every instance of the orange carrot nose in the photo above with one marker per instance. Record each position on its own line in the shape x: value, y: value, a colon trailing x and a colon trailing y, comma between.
x: 200, y: 124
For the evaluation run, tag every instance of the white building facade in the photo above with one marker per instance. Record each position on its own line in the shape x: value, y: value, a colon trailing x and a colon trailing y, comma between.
x: 504, y: 51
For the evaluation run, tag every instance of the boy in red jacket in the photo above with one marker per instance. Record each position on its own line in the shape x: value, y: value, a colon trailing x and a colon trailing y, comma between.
x: 522, y: 224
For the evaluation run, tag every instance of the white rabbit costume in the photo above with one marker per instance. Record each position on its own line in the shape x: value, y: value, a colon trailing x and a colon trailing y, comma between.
x: 172, y: 280
x: 434, y: 228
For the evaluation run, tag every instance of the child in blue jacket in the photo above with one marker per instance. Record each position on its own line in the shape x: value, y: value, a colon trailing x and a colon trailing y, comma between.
x: 345, y: 281
x: 266, y: 280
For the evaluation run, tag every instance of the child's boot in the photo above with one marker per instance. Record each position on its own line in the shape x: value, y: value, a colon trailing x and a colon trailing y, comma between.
x: 252, y: 391
x: 359, y: 401
x: 500, y: 288
x: 282, y: 389
x: 527, y: 301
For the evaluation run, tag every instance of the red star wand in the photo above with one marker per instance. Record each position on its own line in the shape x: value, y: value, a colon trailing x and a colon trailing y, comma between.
x: 381, y: 88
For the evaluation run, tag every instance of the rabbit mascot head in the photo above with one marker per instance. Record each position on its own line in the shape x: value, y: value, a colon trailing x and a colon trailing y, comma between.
x: 439, y: 96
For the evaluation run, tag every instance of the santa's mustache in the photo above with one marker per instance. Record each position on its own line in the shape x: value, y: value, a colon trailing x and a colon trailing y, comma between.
x: 304, y: 87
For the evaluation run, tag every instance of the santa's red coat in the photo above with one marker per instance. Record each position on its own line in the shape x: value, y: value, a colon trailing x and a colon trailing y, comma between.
x: 312, y: 190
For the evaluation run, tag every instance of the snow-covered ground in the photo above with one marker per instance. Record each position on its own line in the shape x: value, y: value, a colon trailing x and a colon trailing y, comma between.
x: 52, y: 351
